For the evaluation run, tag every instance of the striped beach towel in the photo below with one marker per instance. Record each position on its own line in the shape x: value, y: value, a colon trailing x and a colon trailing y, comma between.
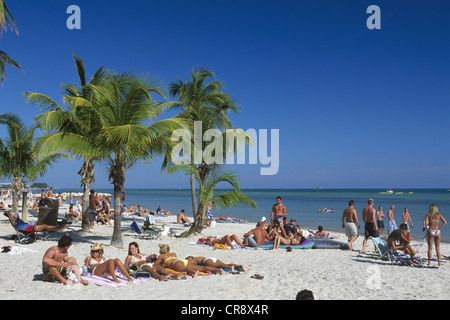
x: 108, y: 281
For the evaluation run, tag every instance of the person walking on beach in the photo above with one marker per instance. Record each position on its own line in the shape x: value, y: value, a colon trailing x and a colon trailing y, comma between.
x: 57, y: 266
x: 392, y: 225
x: 278, y: 210
x: 370, y: 225
x: 431, y: 222
x: 349, y: 221
x: 407, y: 219
x: 92, y: 211
x: 380, y: 220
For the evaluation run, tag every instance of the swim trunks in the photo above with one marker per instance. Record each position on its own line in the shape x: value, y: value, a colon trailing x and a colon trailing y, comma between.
x: 351, y: 230
x: 369, y: 230
x: 250, y: 242
x: 392, y: 225
x: 48, y: 277
x: 380, y: 224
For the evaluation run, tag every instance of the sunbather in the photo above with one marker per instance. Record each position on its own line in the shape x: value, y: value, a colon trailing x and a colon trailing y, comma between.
x: 225, y: 240
x: 297, y: 239
x: 170, y: 260
x: 135, y: 258
x: 101, y: 267
x: 215, y: 262
x: 25, y: 227
x: 57, y: 266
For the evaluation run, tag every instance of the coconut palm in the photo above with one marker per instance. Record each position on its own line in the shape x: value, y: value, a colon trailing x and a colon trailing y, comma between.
x: 208, y: 192
x: 70, y: 128
x: 19, y: 160
x: 6, y: 21
x: 201, y: 99
x: 129, y: 132
x: 202, y: 102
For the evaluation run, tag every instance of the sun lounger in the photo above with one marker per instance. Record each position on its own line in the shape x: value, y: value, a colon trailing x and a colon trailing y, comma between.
x: 149, y: 230
x: 22, y: 236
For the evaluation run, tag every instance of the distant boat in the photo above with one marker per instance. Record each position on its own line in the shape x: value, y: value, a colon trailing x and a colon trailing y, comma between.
x: 389, y: 191
x: 326, y: 210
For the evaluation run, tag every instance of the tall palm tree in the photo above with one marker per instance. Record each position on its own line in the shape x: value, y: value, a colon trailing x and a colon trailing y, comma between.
x: 201, y: 99
x: 71, y: 128
x: 6, y: 21
x: 18, y: 157
x: 129, y: 132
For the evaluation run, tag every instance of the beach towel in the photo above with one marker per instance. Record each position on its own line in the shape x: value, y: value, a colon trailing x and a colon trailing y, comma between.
x: 236, y: 246
x: 108, y: 281
x: 20, y: 250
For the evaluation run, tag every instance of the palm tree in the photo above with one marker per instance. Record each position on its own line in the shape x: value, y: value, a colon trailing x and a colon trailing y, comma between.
x: 201, y: 99
x: 129, y: 133
x: 208, y: 192
x: 6, y: 20
x: 18, y: 157
x: 71, y: 128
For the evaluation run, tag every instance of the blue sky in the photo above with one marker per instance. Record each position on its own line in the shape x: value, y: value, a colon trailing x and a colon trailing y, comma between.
x: 355, y: 107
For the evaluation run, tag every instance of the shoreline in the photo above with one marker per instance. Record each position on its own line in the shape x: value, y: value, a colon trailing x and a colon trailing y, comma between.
x: 331, y: 274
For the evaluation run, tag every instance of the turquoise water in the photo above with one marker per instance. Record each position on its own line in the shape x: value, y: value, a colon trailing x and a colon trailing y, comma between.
x: 302, y: 204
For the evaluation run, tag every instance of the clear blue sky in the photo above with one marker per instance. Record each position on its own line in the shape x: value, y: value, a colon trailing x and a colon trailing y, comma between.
x: 355, y: 107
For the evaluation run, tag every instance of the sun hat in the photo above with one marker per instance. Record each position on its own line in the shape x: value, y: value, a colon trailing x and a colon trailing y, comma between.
x: 97, y: 247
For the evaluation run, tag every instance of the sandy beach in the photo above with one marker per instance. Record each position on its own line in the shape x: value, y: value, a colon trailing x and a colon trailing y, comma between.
x: 331, y: 274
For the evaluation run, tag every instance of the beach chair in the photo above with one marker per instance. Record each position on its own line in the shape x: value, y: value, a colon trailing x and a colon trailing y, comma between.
x: 148, y: 231
x: 151, y: 228
x: 22, y: 236
x: 382, y: 248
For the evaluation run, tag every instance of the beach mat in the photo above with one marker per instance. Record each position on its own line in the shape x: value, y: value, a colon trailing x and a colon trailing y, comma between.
x: 236, y: 247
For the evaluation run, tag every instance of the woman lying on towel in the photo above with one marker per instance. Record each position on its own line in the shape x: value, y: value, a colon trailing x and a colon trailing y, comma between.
x: 101, y: 268
x: 297, y: 239
x: 170, y: 260
x: 225, y: 240
x: 215, y: 262
x: 135, y: 258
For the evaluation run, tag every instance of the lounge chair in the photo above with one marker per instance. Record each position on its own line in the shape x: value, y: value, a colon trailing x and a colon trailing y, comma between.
x: 149, y: 230
x: 22, y: 236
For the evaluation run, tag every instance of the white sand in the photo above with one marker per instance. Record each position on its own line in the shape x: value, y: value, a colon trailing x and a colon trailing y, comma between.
x: 329, y: 274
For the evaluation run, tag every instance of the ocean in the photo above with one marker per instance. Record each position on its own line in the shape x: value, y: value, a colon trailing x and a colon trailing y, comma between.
x: 302, y: 205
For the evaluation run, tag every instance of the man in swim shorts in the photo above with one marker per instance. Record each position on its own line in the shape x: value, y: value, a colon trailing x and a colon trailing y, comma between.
x: 370, y: 223
x: 256, y: 237
x: 392, y: 225
x: 349, y: 221
x: 278, y: 211
x: 57, y: 266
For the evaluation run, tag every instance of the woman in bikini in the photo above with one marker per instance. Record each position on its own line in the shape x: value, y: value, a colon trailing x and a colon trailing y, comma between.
x: 170, y: 260
x: 135, y: 258
x: 225, y: 240
x: 297, y: 239
x: 431, y: 222
x: 101, y: 268
x: 214, y: 262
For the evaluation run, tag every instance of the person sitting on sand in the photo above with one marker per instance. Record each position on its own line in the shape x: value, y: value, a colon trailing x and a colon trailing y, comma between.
x: 72, y: 215
x: 256, y: 236
x: 163, y: 212
x: 30, y: 229
x: 398, y: 250
x: 135, y: 258
x: 101, y: 267
x: 276, y: 230
x: 321, y: 233
x: 215, y: 262
x: 181, y: 218
x: 57, y: 266
x: 406, y: 239
x: 226, y: 240
x: 170, y: 260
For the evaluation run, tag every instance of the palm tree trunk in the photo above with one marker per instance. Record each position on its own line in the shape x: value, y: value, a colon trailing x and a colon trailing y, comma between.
x: 193, y: 195
x: 116, y: 240
x: 84, y: 209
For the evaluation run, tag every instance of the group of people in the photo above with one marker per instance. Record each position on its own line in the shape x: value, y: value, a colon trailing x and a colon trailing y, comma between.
x: 399, y: 238
x: 57, y: 266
